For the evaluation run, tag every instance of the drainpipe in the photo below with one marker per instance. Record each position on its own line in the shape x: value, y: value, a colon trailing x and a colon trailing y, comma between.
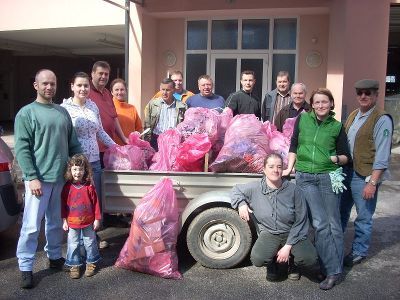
x: 127, y: 17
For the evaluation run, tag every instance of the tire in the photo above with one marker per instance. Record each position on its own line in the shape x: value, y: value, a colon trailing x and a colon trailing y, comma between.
x: 217, y: 238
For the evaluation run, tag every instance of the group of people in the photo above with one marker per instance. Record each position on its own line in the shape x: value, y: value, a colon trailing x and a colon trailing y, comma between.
x: 65, y: 143
x: 59, y: 149
x: 167, y: 107
x: 336, y: 167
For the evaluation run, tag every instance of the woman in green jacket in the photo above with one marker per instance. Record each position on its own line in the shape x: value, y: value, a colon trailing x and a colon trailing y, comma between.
x: 319, y: 147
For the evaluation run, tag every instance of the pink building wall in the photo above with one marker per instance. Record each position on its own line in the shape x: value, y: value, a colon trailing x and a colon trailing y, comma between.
x: 169, y: 34
x: 313, y: 36
x: 358, y: 39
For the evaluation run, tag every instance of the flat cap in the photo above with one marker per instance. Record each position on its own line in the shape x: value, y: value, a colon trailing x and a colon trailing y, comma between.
x: 367, y: 84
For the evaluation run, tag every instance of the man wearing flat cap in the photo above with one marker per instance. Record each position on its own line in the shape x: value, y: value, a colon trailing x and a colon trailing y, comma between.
x: 369, y: 132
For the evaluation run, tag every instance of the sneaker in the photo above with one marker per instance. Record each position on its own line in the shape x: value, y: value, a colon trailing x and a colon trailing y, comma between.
x: 293, y: 272
x: 74, y: 272
x: 26, y: 279
x: 272, y: 272
x: 90, y: 270
x: 103, y: 244
x: 58, y: 264
x: 351, y: 260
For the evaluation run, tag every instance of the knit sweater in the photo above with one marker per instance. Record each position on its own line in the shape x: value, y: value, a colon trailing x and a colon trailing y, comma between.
x: 44, y: 139
x: 80, y: 205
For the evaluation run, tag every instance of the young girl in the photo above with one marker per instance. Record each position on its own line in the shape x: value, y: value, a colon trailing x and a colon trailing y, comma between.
x: 81, y: 215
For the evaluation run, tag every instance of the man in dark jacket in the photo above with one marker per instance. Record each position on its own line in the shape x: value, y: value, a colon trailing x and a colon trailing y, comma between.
x: 276, y: 99
x: 244, y: 101
x: 295, y: 107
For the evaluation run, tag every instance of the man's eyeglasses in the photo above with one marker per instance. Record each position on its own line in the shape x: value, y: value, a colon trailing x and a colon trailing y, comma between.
x: 365, y: 92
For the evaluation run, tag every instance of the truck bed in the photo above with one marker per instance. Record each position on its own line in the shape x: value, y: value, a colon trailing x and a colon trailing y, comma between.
x: 122, y: 190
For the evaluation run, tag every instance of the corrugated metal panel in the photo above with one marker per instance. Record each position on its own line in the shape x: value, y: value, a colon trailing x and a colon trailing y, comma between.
x: 122, y: 190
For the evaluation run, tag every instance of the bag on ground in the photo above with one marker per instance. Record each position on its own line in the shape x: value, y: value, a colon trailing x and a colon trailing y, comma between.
x: 151, y: 245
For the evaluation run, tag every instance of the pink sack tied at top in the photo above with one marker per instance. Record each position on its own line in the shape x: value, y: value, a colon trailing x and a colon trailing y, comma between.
x: 148, y: 151
x: 200, y: 120
x: 165, y: 158
x: 279, y: 142
x: 151, y: 245
x: 245, y: 147
x: 191, y: 153
x: 136, y: 155
x: 175, y: 155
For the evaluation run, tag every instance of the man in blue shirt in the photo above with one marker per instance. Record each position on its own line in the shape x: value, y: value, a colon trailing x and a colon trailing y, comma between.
x: 206, y: 98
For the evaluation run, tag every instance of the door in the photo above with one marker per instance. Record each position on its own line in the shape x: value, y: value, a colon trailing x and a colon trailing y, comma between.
x: 226, y: 69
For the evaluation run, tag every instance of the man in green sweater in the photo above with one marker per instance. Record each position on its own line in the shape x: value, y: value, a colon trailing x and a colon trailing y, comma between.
x: 44, y: 139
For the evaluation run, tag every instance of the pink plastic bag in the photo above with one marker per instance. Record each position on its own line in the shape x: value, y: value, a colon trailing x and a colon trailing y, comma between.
x: 151, y: 245
x: 190, y: 156
x: 279, y: 142
x: 245, y: 146
x: 168, y: 143
x: 200, y: 120
x: 126, y: 157
x: 148, y: 151
x: 225, y: 119
x: 288, y: 127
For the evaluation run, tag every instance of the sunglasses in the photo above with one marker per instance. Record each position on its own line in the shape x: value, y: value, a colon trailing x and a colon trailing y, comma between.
x: 365, y: 92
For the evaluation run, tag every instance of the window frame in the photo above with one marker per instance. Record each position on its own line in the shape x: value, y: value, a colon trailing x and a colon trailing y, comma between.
x: 239, y: 51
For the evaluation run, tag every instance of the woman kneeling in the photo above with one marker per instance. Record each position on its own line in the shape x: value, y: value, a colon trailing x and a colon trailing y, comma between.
x: 280, y: 211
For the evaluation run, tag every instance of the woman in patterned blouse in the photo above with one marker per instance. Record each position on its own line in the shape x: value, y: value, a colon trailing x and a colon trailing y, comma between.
x: 87, y: 123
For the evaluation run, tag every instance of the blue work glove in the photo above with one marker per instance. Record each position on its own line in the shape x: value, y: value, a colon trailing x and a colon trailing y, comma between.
x: 337, y: 178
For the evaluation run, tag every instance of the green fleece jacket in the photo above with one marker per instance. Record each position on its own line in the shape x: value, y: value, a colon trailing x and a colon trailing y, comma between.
x: 317, y: 143
x: 44, y: 140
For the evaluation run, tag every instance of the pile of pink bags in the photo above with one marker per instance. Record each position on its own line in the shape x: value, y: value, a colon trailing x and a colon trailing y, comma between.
x: 137, y: 155
x: 184, y: 148
x: 248, y: 141
x: 186, y: 156
x: 245, y: 147
x: 236, y: 145
x: 151, y: 245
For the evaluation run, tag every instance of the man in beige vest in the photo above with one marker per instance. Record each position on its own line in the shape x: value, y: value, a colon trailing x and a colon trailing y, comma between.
x: 369, y: 132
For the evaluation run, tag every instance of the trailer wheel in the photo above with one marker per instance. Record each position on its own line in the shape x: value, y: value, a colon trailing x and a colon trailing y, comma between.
x: 217, y: 238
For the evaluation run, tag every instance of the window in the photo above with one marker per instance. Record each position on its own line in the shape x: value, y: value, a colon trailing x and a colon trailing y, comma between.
x: 221, y: 48
x: 196, y: 65
x: 197, y: 35
x: 255, y: 34
x: 224, y: 34
x: 285, y: 33
x: 282, y: 62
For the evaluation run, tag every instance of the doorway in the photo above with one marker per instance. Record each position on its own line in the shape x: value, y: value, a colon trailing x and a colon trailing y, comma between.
x: 226, y: 69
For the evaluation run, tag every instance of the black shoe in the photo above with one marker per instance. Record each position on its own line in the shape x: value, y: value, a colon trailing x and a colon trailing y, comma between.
x: 293, y: 272
x: 58, y: 264
x: 351, y: 260
x: 330, y: 281
x: 26, y: 279
x: 272, y: 272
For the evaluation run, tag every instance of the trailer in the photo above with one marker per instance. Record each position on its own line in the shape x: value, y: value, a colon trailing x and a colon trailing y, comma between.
x: 215, y: 235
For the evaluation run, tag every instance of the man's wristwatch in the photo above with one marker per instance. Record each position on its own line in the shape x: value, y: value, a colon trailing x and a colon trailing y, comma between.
x: 372, y: 182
